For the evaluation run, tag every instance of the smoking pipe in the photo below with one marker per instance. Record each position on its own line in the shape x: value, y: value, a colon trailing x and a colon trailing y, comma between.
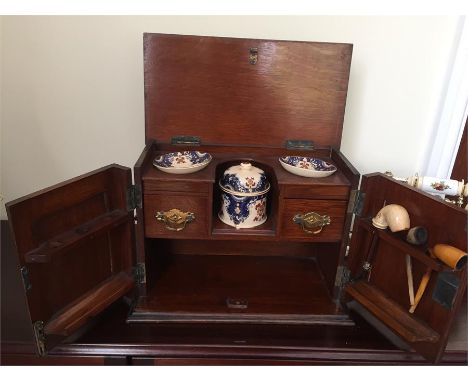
x: 392, y: 216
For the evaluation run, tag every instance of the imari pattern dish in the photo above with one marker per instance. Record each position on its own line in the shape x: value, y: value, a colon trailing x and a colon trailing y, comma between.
x: 244, y: 196
x: 182, y: 162
x: 308, y: 167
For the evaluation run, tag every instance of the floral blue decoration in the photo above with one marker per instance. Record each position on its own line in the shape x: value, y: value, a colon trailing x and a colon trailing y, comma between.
x: 238, y: 207
x: 308, y: 163
x: 233, y: 183
x: 193, y: 157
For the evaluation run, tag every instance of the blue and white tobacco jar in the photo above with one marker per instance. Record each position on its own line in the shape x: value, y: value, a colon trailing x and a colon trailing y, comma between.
x: 244, y: 190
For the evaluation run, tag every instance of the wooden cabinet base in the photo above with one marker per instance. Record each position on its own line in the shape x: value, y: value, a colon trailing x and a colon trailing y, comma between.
x: 33, y: 360
x: 238, y: 356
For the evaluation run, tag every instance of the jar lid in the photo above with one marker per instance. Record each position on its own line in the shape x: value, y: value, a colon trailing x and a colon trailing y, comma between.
x: 244, y: 179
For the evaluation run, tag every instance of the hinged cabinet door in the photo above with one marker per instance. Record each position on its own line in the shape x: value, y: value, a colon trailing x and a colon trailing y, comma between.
x: 75, y: 246
x: 378, y: 262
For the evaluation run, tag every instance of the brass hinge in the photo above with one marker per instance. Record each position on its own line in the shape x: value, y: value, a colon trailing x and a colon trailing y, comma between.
x: 342, y: 276
x: 133, y: 197
x: 139, y: 273
x: 186, y: 140
x: 292, y: 144
x: 25, y: 277
x: 356, y: 202
x: 39, y: 336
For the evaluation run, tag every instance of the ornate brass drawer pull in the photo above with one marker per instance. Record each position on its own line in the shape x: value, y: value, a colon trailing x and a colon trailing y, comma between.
x: 312, y: 222
x: 174, y: 219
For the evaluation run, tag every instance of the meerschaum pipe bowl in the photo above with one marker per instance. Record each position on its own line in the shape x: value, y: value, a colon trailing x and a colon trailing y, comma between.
x: 392, y: 216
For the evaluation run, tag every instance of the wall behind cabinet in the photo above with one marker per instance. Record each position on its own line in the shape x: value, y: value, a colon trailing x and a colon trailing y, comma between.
x: 72, y: 87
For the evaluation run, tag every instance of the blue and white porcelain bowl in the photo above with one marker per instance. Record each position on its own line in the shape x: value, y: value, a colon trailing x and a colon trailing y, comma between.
x: 182, y: 162
x: 244, y: 190
x: 308, y: 167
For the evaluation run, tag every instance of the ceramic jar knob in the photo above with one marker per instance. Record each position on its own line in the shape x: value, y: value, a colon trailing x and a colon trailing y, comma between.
x: 393, y: 216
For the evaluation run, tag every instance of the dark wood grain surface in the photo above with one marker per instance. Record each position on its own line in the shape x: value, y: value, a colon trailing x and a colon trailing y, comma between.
x: 197, y: 288
x: 200, y: 206
x: 206, y: 87
x: 112, y: 341
x: 73, y: 239
x: 392, y: 314
x: 256, y: 155
x: 335, y: 209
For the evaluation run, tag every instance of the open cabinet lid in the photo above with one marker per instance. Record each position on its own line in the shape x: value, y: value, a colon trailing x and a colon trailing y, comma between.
x: 237, y: 91
x: 378, y: 262
x: 74, y: 242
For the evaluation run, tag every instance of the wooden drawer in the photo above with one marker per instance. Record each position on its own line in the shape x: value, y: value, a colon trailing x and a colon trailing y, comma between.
x: 198, y: 205
x: 336, y: 209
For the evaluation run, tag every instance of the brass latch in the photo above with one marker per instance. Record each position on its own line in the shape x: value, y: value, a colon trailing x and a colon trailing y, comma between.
x: 253, y: 56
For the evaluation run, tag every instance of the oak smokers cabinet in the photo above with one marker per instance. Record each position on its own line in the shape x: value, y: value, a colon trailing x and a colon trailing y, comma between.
x: 90, y: 241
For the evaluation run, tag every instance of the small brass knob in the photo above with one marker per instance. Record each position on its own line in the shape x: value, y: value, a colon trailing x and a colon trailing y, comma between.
x: 312, y: 222
x: 175, y: 219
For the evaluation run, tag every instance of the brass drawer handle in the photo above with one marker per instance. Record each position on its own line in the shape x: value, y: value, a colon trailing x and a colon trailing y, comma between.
x: 174, y: 219
x: 311, y: 220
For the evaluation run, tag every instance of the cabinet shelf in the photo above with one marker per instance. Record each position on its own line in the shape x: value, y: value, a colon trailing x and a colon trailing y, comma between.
x: 255, y: 289
x: 74, y: 315
x: 265, y: 229
x: 392, y: 314
x: 418, y: 252
x: 60, y: 243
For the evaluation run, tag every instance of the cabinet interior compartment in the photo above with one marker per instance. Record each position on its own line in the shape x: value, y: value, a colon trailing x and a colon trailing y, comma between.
x: 237, y: 281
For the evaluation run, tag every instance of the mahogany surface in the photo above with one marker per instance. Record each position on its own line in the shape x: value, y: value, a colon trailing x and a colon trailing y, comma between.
x: 72, y: 317
x: 112, y: 341
x: 335, y: 209
x: 187, y: 203
x: 258, y: 155
x: 75, y: 239
x: 163, y: 191
x: 408, y: 326
x: 187, y: 191
x: 196, y: 288
x: 206, y: 87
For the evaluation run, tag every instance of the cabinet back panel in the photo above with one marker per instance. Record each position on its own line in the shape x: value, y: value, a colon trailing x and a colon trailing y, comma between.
x: 203, y: 284
x: 232, y: 247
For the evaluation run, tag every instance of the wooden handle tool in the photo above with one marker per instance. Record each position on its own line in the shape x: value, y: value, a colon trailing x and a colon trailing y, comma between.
x: 421, y: 289
x: 409, y: 275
